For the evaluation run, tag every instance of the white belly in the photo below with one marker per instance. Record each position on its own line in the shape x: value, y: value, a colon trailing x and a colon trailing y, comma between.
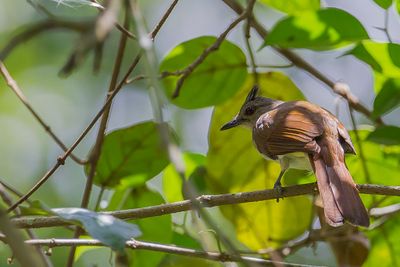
x: 297, y: 160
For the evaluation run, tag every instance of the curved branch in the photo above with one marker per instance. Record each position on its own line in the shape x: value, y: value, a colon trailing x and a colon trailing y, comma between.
x: 205, y: 201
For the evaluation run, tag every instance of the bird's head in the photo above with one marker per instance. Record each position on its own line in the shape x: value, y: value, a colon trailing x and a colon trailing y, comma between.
x: 251, y: 110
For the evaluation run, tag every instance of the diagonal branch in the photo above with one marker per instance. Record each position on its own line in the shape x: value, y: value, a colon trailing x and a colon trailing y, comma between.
x: 206, y: 201
x: 15, y: 88
x: 338, y: 88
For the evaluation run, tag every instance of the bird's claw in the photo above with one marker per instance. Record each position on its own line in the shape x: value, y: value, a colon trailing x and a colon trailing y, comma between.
x: 278, y: 190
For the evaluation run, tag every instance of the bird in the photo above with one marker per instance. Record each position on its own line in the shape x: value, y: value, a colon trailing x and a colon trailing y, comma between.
x: 302, y: 135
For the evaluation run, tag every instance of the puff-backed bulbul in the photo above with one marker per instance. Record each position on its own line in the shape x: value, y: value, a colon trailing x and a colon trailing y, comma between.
x: 283, y: 129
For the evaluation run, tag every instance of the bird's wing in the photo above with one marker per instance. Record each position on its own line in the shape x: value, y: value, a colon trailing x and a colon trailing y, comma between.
x: 287, y: 129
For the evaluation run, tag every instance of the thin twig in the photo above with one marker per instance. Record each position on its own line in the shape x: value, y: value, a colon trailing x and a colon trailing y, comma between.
x: 385, y: 29
x: 135, y: 244
x: 12, y: 84
x: 96, y: 151
x: 99, y: 197
x: 212, y: 48
x: 250, y: 49
x: 338, y: 88
x: 205, y: 201
x: 158, y: 26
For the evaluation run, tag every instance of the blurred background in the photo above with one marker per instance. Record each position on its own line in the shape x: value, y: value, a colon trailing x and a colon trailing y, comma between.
x: 68, y: 104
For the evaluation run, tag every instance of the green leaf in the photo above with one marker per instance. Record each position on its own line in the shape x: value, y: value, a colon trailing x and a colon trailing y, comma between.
x: 293, y: 7
x: 109, y: 230
x: 131, y: 156
x: 234, y: 165
x: 383, y: 165
x: 388, y: 98
x: 385, y: 4
x: 214, y: 81
x: 386, y: 135
x: 384, y: 59
x: 323, y: 29
x: 154, y: 229
x: 172, y: 183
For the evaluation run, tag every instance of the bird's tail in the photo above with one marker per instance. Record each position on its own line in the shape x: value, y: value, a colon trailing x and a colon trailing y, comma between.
x: 336, y: 186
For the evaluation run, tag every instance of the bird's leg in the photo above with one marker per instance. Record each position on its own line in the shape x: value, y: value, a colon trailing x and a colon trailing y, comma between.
x: 278, y: 185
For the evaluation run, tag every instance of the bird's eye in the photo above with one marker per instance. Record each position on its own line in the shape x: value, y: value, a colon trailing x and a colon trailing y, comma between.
x: 249, y: 111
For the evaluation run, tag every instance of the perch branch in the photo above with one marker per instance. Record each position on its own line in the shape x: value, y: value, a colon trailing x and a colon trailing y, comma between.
x: 135, y: 244
x: 205, y: 201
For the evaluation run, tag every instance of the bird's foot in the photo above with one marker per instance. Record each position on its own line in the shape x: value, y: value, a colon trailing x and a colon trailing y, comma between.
x: 278, y: 190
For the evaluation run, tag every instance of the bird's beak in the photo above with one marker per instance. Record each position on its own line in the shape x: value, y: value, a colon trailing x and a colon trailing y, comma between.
x: 233, y: 123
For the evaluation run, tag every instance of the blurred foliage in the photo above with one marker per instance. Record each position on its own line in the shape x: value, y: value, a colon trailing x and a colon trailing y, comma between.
x: 134, y: 171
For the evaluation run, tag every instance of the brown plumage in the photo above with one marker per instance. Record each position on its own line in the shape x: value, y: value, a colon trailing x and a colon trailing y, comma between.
x: 283, y: 128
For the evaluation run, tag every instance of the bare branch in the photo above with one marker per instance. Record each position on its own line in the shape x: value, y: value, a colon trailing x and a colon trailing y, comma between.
x: 135, y: 244
x: 206, y: 201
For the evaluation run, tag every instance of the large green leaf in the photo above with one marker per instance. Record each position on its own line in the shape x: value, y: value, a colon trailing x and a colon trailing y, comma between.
x: 386, y: 135
x: 109, y: 230
x: 154, y: 229
x: 388, y: 98
x: 215, y: 80
x: 172, y: 182
x: 323, y: 29
x: 131, y: 156
x: 384, y: 59
x: 294, y: 6
x: 234, y: 165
